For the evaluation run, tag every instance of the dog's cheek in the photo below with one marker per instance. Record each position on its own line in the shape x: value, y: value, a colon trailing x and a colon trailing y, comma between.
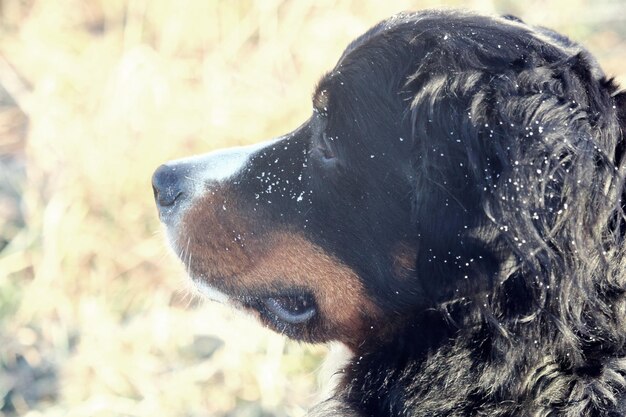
x: 239, y: 256
x: 292, y: 261
x: 215, y: 240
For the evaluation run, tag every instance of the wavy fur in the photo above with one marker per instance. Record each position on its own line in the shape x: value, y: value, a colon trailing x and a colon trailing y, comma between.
x: 519, y: 180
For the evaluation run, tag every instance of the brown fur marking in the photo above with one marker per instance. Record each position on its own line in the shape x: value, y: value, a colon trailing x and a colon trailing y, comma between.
x: 223, y: 248
x: 404, y: 258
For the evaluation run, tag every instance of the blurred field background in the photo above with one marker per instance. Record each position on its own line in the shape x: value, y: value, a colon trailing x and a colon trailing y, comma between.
x: 95, y: 315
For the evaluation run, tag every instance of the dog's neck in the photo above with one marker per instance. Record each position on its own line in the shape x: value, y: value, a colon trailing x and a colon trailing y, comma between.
x: 437, y: 369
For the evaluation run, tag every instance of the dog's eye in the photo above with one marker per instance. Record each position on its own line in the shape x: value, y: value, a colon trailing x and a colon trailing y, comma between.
x: 291, y: 309
x: 325, y: 148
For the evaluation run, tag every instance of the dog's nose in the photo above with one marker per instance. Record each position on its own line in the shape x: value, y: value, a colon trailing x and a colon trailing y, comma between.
x: 168, y: 185
x: 177, y: 183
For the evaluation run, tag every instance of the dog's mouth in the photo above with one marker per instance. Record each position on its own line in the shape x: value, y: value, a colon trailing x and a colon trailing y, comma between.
x: 292, y: 309
x: 295, y: 307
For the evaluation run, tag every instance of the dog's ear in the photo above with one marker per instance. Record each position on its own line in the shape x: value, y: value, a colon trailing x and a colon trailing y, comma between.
x: 448, y: 159
x: 493, y: 160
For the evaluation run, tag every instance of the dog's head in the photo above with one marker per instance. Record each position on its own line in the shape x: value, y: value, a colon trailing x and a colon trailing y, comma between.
x: 440, y: 162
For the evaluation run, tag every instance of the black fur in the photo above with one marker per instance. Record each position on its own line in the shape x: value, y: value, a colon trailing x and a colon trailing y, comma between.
x: 469, y: 171
x: 516, y: 178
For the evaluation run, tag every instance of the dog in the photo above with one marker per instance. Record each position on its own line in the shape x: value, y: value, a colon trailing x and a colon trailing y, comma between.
x: 452, y: 212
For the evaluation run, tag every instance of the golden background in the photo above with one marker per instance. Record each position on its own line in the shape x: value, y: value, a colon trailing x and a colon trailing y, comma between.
x: 95, y: 315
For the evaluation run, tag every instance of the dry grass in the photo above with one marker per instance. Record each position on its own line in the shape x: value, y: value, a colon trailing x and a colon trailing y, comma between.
x: 95, y: 319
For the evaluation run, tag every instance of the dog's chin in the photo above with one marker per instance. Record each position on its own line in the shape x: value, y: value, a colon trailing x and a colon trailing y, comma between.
x: 210, y: 293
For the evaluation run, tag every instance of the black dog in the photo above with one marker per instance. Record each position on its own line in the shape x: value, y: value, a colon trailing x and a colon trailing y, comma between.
x: 452, y: 212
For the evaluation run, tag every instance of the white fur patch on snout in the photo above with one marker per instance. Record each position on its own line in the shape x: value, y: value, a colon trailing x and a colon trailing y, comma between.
x: 199, y: 174
x: 216, y: 167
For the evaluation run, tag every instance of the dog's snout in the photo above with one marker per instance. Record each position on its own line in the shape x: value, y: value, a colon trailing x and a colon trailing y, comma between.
x: 168, y: 185
x: 178, y: 183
